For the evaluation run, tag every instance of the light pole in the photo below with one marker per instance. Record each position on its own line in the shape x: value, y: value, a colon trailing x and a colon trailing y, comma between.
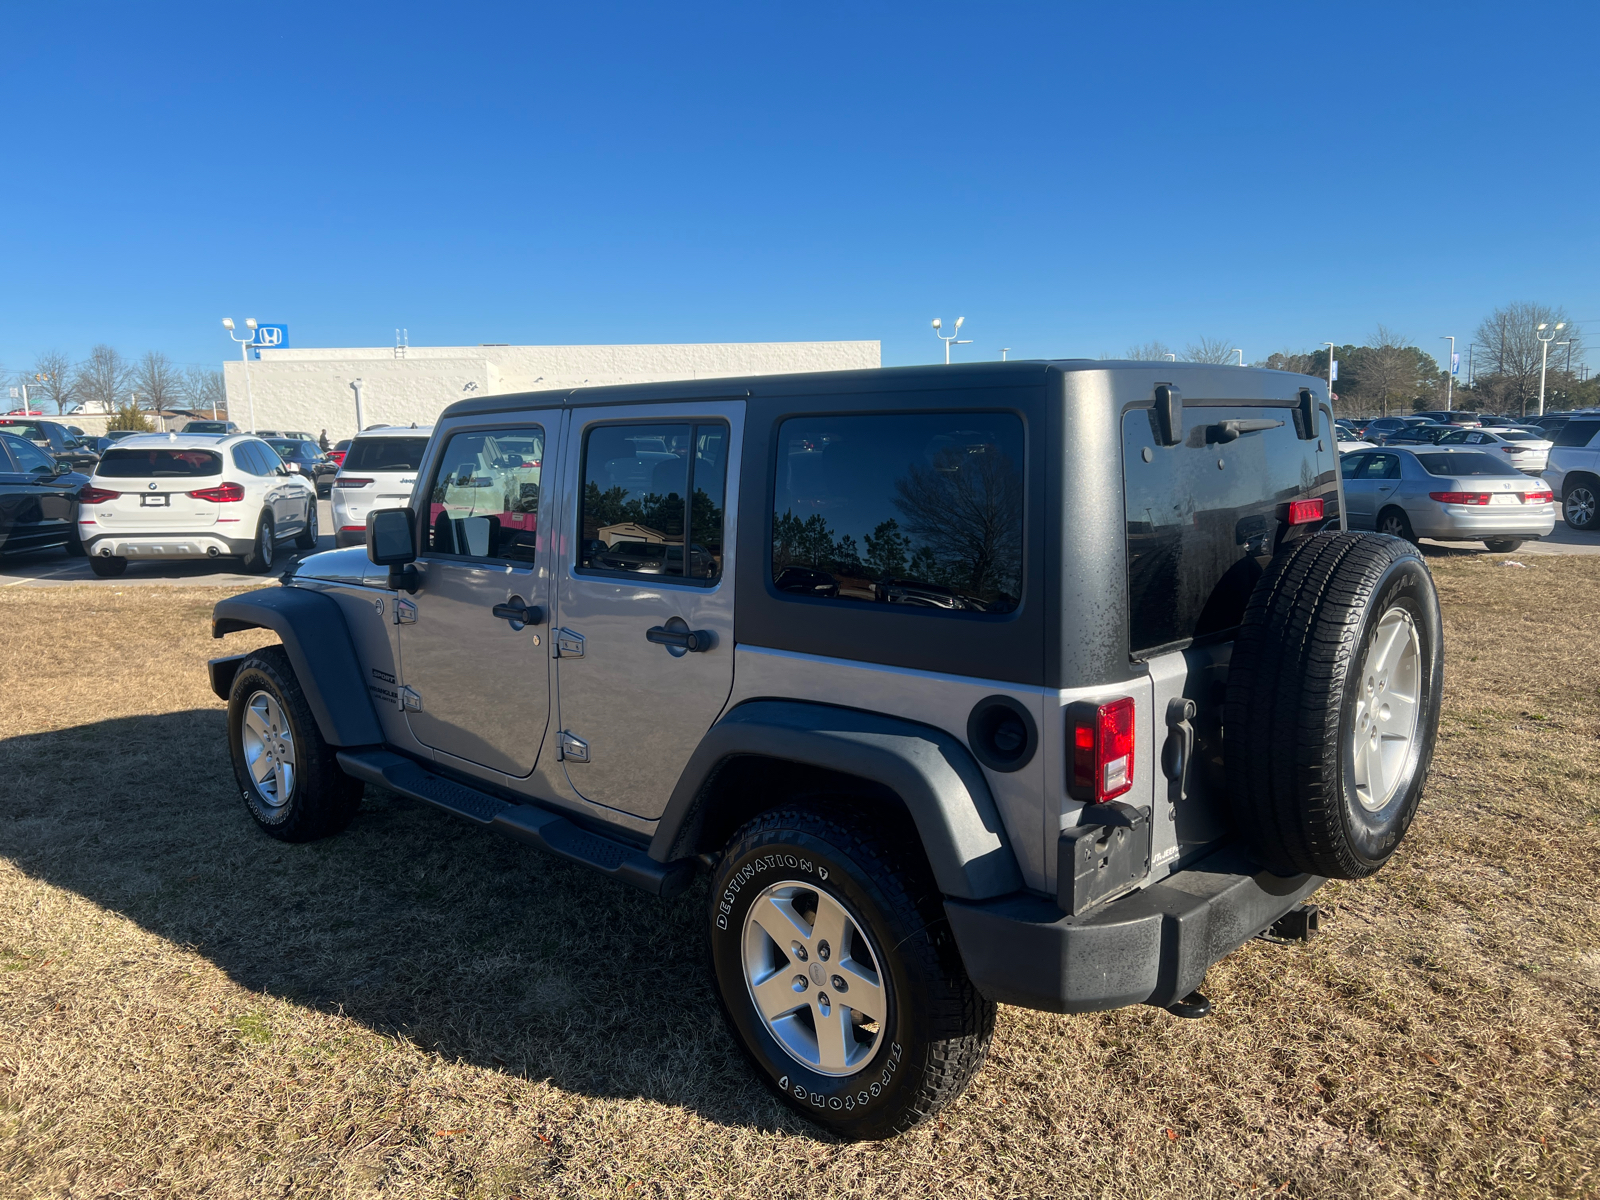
x: 355, y: 386
x: 1544, y: 353
x: 1449, y: 371
x: 1471, y: 346
x: 952, y: 339
x: 1170, y: 356
x: 1005, y: 350
x: 244, y: 353
x: 1240, y: 353
x: 1333, y: 371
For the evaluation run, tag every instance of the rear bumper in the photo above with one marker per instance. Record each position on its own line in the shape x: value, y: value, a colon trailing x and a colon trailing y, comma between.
x: 168, y: 545
x: 1446, y: 521
x: 1150, y: 947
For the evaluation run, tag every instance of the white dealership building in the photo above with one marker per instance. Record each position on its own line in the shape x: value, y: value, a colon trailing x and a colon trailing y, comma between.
x: 310, y: 390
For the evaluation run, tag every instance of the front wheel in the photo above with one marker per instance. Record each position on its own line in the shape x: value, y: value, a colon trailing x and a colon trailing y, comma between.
x: 838, y: 975
x: 1578, y: 504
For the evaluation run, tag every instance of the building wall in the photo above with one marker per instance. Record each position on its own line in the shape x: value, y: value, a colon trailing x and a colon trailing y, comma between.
x: 309, y: 390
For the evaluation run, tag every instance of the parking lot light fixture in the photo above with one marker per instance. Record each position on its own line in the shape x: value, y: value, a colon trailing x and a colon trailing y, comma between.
x: 1240, y: 353
x: 244, y: 353
x: 1544, y: 353
x: 1449, y: 372
x: 955, y: 337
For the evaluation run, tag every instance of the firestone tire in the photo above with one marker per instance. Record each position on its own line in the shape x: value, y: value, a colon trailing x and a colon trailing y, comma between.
x: 270, y: 727
x: 923, y: 1035
x: 1333, y: 704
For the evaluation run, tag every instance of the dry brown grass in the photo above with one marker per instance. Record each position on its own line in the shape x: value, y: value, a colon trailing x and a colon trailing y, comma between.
x: 188, y: 1008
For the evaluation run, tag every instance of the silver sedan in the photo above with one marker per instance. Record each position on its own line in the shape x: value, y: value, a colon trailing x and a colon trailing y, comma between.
x: 1462, y: 494
x: 1527, y: 452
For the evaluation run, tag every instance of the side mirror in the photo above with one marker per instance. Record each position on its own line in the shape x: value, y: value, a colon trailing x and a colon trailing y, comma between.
x: 392, y: 543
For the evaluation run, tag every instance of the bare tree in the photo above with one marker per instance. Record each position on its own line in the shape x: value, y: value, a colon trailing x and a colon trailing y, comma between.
x: 103, y: 378
x: 157, y: 381
x: 1149, y: 352
x: 203, y: 389
x: 1383, y: 367
x: 52, y: 379
x: 1509, y: 352
x: 1208, y: 350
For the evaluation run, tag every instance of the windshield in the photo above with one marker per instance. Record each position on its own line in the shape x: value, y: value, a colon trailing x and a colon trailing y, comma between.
x: 1470, y: 462
x: 129, y: 462
x: 385, y: 454
x: 286, y: 447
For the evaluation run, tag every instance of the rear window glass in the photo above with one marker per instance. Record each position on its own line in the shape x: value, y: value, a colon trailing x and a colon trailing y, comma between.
x: 1576, y: 433
x: 385, y: 454
x: 1204, y: 517
x: 1517, y: 435
x: 137, y: 462
x: 918, y: 509
x: 1467, y: 462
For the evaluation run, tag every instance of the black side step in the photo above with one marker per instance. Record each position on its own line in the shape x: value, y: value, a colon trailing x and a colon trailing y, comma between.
x: 525, y: 822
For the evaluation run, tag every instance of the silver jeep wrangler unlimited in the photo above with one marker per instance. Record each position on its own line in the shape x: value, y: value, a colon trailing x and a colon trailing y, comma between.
x: 1044, y: 683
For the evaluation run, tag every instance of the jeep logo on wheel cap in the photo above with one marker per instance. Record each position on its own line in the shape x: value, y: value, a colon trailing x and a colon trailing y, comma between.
x: 819, y: 974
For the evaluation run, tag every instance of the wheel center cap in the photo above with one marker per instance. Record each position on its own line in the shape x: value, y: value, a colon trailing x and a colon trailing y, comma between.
x: 819, y: 976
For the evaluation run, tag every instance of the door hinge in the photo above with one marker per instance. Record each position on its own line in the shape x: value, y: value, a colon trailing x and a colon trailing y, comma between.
x: 409, y: 700
x: 405, y: 612
x: 573, y: 749
x: 568, y: 644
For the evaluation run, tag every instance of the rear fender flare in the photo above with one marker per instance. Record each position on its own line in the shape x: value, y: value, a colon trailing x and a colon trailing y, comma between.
x: 314, y: 634
x: 932, y: 773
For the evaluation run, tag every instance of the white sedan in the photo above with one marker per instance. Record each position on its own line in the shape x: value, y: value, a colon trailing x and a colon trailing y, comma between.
x: 1527, y: 452
x: 174, y: 496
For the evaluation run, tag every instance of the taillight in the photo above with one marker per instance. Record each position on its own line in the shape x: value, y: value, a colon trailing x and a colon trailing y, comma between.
x: 1303, y: 512
x: 1538, y: 497
x: 221, y: 494
x: 1460, y: 497
x: 89, y: 494
x: 341, y: 482
x: 1102, y: 749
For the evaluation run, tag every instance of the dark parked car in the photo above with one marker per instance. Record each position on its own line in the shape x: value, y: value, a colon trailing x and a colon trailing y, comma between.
x: 308, y: 460
x: 54, y: 439
x: 38, y: 499
x: 222, y: 427
x: 1379, y: 428
x: 1454, y: 416
x: 1420, y: 434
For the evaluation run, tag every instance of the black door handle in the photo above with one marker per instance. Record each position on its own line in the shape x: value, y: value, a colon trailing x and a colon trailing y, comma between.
x: 518, y: 613
x: 690, y: 640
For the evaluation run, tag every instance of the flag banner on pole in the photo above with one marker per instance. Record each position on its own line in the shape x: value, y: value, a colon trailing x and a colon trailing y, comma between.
x: 1333, y: 370
x: 1455, y: 364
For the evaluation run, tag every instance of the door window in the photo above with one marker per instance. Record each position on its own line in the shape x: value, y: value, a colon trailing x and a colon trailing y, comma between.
x: 484, y: 502
x: 1350, y: 466
x: 31, y: 460
x: 1380, y: 466
x: 643, y: 487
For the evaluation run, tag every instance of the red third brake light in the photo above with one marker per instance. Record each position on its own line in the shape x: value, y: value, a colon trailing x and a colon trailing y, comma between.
x: 1460, y: 497
x: 89, y: 494
x: 1303, y: 512
x: 221, y: 494
x: 1102, y: 749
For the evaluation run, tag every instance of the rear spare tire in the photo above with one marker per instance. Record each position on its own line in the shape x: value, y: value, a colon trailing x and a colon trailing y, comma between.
x: 1333, y: 704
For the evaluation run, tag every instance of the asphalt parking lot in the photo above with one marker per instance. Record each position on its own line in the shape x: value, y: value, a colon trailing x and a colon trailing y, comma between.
x: 52, y: 568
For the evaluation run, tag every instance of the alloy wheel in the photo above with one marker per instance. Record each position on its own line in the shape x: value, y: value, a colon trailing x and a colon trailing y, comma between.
x: 1387, y: 709
x: 1579, y: 506
x: 268, y: 749
x: 817, y: 982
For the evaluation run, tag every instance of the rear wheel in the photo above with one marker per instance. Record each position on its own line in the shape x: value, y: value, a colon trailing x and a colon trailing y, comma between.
x: 838, y: 975
x: 1501, y: 545
x: 1333, y: 704
x: 1578, y: 504
x: 308, y: 536
x: 288, y: 775
x: 259, y: 560
x: 1395, y: 523
x: 106, y: 566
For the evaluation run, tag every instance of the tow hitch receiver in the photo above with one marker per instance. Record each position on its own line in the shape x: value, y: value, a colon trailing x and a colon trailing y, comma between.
x: 1299, y: 924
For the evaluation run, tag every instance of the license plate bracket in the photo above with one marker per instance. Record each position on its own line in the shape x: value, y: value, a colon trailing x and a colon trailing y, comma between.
x: 157, y: 500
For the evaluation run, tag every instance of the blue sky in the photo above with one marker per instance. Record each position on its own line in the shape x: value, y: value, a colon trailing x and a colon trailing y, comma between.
x: 1073, y: 179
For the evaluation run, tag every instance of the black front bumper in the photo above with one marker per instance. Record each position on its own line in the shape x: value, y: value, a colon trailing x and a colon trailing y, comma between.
x: 1149, y: 947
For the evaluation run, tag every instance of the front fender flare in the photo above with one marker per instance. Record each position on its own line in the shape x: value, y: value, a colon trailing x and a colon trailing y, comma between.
x: 932, y: 772
x: 313, y: 632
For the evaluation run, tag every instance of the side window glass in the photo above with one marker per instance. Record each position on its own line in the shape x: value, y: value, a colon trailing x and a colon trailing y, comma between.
x: 31, y: 460
x: 919, y: 509
x: 1350, y: 466
x: 244, y: 460
x: 643, y: 487
x: 484, y: 502
x: 1391, y: 468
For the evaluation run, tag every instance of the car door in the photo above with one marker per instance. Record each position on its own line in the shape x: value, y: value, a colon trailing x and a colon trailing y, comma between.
x: 14, y: 491
x: 42, y: 509
x: 1367, y: 487
x: 281, y: 498
x: 644, y: 595
x: 476, y: 681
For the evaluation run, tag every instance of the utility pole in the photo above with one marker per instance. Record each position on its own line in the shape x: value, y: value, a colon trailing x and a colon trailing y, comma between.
x: 1544, y: 353
x: 1449, y: 371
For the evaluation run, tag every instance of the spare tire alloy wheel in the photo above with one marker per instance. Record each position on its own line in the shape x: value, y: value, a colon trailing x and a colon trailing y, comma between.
x: 836, y: 971
x: 1333, y: 704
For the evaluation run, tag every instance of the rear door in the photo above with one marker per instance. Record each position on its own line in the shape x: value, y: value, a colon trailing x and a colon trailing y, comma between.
x: 644, y: 605
x: 477, y: 683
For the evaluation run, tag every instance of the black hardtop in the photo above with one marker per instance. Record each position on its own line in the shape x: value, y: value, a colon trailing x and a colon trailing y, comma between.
x: 1200, y: 383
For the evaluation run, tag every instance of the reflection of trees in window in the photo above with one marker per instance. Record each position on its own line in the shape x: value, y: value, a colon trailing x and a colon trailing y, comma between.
x: 614, y: 507
x: 886, y: 549
x: 966, y: 514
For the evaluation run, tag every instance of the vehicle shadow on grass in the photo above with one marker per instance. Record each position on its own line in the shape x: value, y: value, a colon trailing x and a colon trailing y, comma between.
x: 411, y: 921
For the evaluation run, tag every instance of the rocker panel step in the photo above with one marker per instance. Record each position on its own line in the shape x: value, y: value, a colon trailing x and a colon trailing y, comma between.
x: 525, y: 822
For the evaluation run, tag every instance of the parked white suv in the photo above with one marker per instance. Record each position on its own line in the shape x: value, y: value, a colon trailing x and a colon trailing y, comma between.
x: 1573, y: 469
x: 196, y: 495
x: 379, y: 471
